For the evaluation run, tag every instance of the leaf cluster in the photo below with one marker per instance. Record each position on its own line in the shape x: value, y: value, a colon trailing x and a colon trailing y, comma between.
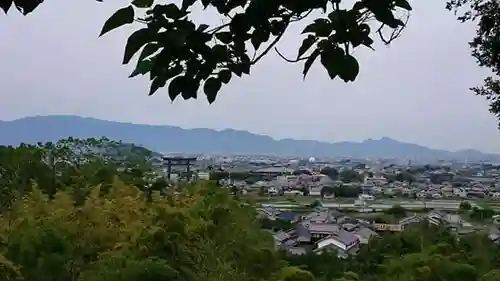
x: 23, y: 6
x: 174, y: 50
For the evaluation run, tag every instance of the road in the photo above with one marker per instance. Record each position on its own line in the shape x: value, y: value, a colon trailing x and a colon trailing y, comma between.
x: 448, y: 205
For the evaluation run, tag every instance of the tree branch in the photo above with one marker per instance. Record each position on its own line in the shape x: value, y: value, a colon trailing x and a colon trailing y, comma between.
x: 287, y: 59
x: 214, y: 30
x: 396, y: 33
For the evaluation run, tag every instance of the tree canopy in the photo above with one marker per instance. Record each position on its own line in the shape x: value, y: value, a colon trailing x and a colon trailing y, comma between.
x: 188, y: 57
x: 119, y: 235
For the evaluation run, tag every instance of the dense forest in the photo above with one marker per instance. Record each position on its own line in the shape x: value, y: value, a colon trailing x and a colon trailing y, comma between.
x: 103, y: 219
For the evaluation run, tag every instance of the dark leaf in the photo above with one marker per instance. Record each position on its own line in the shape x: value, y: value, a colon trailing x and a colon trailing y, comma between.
x: 135, y: 42
x: 205, y: 70
x: 211, y: 88
x: 174, y: 71
x: 386, y: 17
x: 220, y: 5
x: 225, y: 76
x: 236, y: 69
x: 239, y: 24
x: 5, y: 5
x: 176, y: 87
x: 357, y: 37
x: 309, y: 62
x: 187, y: 3
x: 320, y: 27
x: 368, y: 42
x: 237, y: 3
x: 277, y: 27
x: 260, y: 36
x: 349, y: 69
x: 26, y: 6
x: 171, y: 11
x: 396, y: 23
x: 245, y: 67
x: 202, y: 27
x: 306, y: 44
x: 205, y: 3
x: 403, y: 4
x: 190, y: 89
x: 220, y: 52
x: 148, y: 50
x: 225, y: 36
x: 121, y: 17
x: 156, y: 84
x: 143, y: 67
x: 142, y: 3
x: 332, y: 58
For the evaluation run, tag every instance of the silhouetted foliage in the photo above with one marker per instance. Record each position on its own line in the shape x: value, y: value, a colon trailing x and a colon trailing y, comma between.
x: 189, y: 57
x: 485, y: 46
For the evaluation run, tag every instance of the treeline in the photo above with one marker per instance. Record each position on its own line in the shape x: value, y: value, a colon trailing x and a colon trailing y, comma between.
x: 344, y: 176
x: 73, y: 164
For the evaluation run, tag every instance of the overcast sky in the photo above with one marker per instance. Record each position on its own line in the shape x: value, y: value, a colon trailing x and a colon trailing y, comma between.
x: 416, y: 90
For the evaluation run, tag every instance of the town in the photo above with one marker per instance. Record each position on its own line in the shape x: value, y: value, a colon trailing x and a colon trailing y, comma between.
x: 315, y: 205
x: 347, y: 178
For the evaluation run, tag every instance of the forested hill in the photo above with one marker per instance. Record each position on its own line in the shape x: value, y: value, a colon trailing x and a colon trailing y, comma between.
x: 175, y: 139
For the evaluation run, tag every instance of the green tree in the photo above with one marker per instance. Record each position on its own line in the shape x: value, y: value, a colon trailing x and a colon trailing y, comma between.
x: 405, y: 177
x: 276, y: 225
x: 349, y: 176
x: 481, y: 213
x: 397, y: 211
x: 465, y: 206
x: 20, y: 168
x: 485, y: 47
x: 332, y: 173
x: 328, y: 190
x: 184, y: 235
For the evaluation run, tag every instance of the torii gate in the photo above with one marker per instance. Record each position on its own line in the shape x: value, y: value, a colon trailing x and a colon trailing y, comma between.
x: 179, y: 161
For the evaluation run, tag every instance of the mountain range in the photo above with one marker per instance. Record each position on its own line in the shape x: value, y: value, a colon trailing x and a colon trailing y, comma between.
x: 228, y: 141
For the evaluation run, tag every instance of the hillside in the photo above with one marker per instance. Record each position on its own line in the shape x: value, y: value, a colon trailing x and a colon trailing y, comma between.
x: 175, y: 139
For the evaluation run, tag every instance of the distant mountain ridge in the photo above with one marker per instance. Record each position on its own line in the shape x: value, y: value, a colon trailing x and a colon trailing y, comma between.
x: 229, y: 141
